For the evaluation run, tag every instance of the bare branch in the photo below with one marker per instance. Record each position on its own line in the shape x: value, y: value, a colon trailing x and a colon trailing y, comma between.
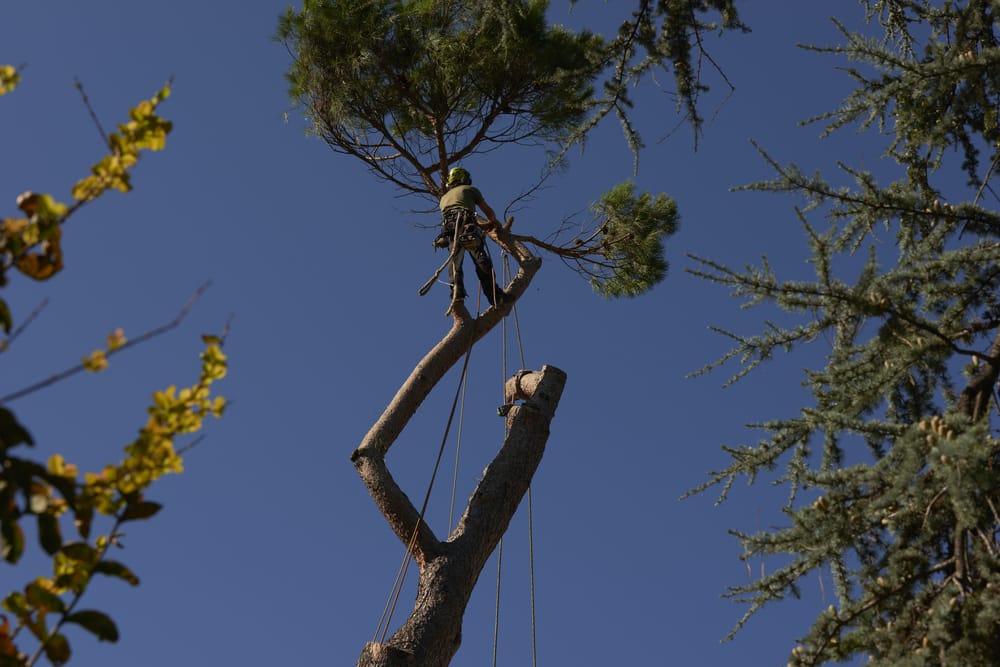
x: 5, y: 344
x: 153, y: 333
x: 399, y: 512
x: 93, y: 114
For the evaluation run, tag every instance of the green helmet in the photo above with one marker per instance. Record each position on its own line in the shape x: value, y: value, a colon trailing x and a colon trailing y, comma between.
x: 459, y: 176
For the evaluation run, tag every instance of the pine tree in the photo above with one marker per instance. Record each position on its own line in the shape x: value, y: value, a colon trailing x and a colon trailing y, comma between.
x: 411, y: 88
x: 893, y: 466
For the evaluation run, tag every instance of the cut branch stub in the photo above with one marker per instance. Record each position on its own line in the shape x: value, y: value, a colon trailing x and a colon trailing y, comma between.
x: 431, y: 635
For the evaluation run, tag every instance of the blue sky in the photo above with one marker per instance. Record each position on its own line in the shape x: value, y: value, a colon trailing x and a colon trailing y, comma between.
x: 269, y: 550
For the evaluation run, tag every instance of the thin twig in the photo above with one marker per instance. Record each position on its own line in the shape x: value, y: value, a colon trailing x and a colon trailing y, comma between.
x: 93, y: 114
x: 102, y: 552
x: 191, y: 445
x: 24, y: 325
x: 153, y: 333
x: 927, y: 512
x: 986, y: 179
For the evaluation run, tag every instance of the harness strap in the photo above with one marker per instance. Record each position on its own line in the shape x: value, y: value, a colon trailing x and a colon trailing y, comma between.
x: 458, y: 213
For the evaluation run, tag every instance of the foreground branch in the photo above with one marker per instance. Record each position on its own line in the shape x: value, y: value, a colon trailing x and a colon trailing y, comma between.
x: 138, y: 340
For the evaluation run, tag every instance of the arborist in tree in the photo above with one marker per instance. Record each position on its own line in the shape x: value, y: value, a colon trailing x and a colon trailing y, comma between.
x: 460, y: 226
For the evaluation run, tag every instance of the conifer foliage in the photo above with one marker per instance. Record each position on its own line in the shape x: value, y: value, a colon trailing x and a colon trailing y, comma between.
x: 893, y: 466
x: 414, y: 87
x: 408, y: 84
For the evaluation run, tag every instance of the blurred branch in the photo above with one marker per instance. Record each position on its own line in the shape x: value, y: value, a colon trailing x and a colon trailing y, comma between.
x: 93, y: 114
x: 153, y: 333
x: 6, y: 343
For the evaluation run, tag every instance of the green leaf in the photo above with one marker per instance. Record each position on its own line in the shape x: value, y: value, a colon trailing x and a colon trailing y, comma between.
x: 79, y: 551
x: 49, y: 534
x: 11, y: 432
x: 97, y: 622
x: 113, y: 568
x: 5, y: 318
x: 66, y: 486
x: 140, y: 510
x: 57, y: 650
x: 84, y: 516
x: 39, y: 597
x: 16, y: 604
x: 12, y: 542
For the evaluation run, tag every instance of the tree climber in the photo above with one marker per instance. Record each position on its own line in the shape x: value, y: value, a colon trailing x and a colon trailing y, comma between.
x: 460, y: 225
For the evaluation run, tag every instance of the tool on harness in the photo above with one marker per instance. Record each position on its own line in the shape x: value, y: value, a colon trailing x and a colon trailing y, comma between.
x: 462, y: 221
x: 426, y: 287
x: 470, y: 238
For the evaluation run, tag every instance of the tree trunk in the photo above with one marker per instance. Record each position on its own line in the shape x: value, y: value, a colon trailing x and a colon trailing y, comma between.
x: 448, y: 570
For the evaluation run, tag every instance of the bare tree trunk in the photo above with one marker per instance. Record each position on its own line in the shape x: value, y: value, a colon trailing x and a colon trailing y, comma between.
x: 448, y: 570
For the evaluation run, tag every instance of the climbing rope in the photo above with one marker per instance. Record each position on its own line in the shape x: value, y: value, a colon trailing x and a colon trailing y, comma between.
x: 458, y: 403
x: 496, y: 622
x: 458, y: 451
x: 531, y: 546
x: 390, y: 608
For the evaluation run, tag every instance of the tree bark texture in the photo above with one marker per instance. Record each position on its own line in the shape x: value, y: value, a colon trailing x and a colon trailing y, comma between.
x: 449, y: 569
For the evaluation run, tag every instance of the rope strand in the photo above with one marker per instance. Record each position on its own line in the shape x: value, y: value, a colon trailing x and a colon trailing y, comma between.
x: 496, y: 623
x: 398, y: 585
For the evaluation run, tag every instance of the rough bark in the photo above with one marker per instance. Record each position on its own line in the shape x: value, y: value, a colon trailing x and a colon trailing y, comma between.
x: 448, y: 570
x: 465, y: 331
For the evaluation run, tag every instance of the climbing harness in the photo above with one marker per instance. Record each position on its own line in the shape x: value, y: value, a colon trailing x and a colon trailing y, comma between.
x: 465, y: 235
x: 471, y: 237
x: 426, y: 287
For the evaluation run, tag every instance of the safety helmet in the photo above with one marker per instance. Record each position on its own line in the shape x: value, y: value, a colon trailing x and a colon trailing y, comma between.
x: 459, y: 176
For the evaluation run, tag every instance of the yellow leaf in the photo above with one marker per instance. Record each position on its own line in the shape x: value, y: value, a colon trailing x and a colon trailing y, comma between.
x: 96, y: 362
x: 9, y: 78
x: 57, y: 466
x: 218, y: 405
x: 14, y: 226
x: 45, y: 264
x: 116, y: 339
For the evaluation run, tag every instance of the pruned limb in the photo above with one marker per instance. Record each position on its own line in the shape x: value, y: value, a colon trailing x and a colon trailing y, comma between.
x: 449, y: 570
x: 508, y: 476
x: 395, y: 505
x: 432, y: 634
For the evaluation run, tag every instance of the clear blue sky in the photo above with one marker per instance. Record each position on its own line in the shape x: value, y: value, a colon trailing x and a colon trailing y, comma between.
x: 269, y: 550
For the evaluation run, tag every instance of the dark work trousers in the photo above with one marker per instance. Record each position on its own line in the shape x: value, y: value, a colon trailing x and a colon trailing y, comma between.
x: 480, y: 257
